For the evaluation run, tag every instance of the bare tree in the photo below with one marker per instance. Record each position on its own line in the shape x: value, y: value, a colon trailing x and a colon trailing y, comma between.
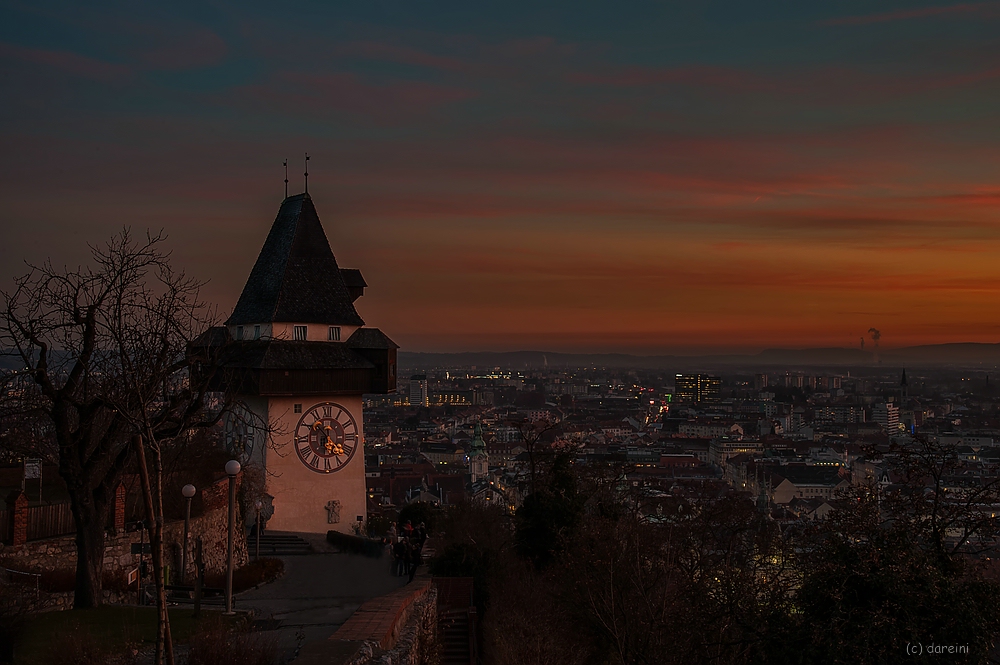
x: 107, y: 356
x: 532, y: 434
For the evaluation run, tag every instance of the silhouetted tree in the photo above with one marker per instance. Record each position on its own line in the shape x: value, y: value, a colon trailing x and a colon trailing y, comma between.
x: 899, y: 564
x: 550, y: 514
x: 106, y: 357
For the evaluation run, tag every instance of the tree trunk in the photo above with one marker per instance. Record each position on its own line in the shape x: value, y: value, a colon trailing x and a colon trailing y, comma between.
x: 91, y: 516
x: 161, y: 592
x: 164, y: 645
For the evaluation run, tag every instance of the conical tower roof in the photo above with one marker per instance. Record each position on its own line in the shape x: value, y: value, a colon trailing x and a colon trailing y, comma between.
x: 477, y: 445
x: 296, y: 277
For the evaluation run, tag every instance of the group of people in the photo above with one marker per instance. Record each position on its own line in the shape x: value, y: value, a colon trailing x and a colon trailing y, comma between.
x: 405, y: 545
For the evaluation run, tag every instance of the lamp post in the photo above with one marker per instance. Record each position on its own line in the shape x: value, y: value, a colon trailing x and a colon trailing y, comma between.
x: 188, y: 491
x: 232, y: 468
x: 256, y: 525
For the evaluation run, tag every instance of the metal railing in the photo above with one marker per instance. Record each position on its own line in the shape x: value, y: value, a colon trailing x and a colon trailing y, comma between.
x: 11, y: 576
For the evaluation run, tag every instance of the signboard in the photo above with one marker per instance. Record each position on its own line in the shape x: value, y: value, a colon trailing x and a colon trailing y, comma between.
x: 132, y: 576
x: 33, y: 469
x: 142, y: 548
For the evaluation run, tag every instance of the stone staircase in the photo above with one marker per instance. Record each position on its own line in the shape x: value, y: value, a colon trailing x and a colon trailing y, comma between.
x: 278, y: 544
x: 454, y: 638
x: 457, y: 629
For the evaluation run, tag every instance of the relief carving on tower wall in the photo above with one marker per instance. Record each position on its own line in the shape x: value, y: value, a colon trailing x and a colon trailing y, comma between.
x: 333, y: 512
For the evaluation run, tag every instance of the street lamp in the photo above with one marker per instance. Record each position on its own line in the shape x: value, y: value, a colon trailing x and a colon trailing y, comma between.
x: 188, y: 491
x: 232, y: 468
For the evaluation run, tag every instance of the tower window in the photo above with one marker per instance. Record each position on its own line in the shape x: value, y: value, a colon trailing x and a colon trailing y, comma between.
x: 239, y: 333
x: 297, y: 408
x: 256, y: 332
x: 334, y: 334
x: 299, y: 333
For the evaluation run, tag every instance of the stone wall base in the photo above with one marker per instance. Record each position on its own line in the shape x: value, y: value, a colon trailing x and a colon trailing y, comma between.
x: 399, y: 628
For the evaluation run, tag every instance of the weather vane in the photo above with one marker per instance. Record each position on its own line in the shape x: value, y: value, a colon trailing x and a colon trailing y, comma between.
x: 307, y: 173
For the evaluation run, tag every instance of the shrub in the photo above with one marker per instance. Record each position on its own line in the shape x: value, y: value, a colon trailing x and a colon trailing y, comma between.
x: 377, y: 526
x: 246, y: 577
x: 418, y: 512
x: 356, y: 544
x: 14, y: 603
x: 218, y: 644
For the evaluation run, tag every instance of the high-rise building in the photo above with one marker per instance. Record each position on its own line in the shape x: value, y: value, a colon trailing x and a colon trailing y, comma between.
x: 760, y: 381
x: 418, y: 390
x: 886, y: 415
x: 697, y: 388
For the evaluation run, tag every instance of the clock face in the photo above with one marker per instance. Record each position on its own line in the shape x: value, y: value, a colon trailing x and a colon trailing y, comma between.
x: 326, y: 437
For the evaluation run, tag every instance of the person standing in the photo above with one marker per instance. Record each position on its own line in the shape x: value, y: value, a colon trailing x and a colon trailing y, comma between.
x: 400, y: 555
x: 421, y: 534
x: 414, y: 559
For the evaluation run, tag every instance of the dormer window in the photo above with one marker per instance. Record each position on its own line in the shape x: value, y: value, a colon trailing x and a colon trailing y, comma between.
x: 299, y: 333
x: 334, y: 334
x: 239, y: 333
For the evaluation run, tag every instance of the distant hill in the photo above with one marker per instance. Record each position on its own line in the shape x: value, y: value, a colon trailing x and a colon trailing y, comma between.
x: 960, y: 355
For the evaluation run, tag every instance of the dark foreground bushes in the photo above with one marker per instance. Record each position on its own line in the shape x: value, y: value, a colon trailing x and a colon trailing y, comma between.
x: 590, y: 571
x: 258, y: 571
x: 356, y: 544
x: 220, y: 644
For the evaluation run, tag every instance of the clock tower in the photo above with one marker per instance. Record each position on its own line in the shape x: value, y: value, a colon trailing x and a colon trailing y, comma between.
x: 297, y: 360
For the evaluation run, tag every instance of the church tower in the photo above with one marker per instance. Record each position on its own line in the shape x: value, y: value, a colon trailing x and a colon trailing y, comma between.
x: 479, y: 461
x: 298, y: 360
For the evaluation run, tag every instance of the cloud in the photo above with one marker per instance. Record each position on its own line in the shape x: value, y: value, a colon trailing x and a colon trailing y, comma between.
x: 923, y: 12
x: 828, y: 86
x: 177, y: 47
x: 388, y: 101
x: 375, y: 50
x: 69, y: 62
x: 700, y: 76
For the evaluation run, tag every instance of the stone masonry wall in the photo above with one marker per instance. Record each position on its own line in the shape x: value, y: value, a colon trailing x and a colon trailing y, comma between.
x: 399, y: 628
x: 59, y: 554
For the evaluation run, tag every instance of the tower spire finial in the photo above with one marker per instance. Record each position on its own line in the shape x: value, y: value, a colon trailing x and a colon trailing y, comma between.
x: 286, y: 178
x: 307, y: 173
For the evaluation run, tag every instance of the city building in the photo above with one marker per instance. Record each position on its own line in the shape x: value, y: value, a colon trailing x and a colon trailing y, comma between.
x: 886, y: 414
x: 418, y: 390
x: 697, y: 388
x: 760, y: 381
x: 479, y: 461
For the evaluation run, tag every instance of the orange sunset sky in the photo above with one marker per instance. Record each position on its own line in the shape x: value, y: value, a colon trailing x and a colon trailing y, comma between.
x: 667, y: 179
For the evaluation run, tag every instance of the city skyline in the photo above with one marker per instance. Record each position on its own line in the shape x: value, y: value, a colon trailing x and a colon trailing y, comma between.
x: 640, y: 180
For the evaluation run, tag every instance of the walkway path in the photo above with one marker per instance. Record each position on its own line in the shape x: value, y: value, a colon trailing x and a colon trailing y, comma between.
x: 317, y: 593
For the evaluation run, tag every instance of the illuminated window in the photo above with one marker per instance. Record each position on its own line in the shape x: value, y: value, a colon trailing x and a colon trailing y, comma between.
x: 299, y: 333
x: 334, y: 334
